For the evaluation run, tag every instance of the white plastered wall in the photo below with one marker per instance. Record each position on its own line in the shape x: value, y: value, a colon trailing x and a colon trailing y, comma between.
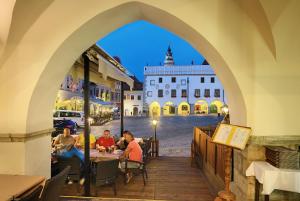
x: 261, y: 80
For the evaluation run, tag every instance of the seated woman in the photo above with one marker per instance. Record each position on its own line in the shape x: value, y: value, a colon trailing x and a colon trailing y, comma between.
x: 64, y: 146
x: 105, y: 141
x: 133, y: 152
x: 80, y: 142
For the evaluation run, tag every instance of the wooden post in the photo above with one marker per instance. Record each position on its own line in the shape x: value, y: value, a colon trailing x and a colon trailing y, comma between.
x: 122, y: 110
x: 87, y: 168
x: 227, y: 195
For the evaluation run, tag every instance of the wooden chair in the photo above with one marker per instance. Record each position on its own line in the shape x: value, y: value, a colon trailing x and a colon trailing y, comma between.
x: 33, y: 195
x: 140, y: 168
x: 53, y: 186
x: 75, y: 171
x: 105, y: 172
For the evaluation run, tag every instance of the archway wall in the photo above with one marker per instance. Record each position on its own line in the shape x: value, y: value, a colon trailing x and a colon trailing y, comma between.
x: 223, y: 32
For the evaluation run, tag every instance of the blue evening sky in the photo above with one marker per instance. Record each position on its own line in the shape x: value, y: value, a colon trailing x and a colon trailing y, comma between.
x: 140, y: 43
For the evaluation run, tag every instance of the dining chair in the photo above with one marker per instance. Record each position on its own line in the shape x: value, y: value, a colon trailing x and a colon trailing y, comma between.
x: 53, y: 186
x: 105, y: 172
x: 139, y: 167
x: 75, y: 171
x: 33, y: 195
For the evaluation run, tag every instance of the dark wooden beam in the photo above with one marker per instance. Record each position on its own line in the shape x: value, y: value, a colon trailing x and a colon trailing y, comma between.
x: 86, y: 65
x: 122, y: 109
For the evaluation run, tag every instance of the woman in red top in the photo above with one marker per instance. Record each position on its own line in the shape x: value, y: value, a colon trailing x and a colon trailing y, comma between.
x: 105, y: 141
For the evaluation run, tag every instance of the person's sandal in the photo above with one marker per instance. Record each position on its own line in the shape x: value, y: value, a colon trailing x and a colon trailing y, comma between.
x: 128, y: 177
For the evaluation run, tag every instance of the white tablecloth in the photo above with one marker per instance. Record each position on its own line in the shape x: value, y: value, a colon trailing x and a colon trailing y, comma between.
x: 274, y: 178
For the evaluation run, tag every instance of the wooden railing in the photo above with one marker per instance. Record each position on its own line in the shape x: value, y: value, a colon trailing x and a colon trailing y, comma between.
x: 209, y: 156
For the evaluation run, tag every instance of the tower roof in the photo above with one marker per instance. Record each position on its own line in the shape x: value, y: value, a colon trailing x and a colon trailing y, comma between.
x: 169, y: 61
x: 205, y: 62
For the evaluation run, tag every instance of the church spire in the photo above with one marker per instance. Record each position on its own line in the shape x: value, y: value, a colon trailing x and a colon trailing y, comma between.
x: 169, y: 61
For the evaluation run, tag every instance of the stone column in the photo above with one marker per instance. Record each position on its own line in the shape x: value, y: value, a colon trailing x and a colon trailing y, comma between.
x: 242, y: 186
x: 28, y: 154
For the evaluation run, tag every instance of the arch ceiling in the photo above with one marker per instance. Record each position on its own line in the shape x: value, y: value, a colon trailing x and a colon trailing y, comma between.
x: 237, y: 40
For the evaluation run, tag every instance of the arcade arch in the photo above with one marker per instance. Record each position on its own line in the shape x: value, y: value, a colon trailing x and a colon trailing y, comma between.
x: 183, y: 108
x: 216, y: 106
x: 201, y: 107
x: 154, y: 109
x: 169, y: 108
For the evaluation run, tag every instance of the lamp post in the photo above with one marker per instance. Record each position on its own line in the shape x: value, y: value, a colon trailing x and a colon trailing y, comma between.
x: 154, y: 123
x: 155, y: 143
x: 225, y: 111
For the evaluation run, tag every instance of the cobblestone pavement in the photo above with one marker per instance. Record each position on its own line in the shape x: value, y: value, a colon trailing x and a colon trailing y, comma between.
x: 174, y: 132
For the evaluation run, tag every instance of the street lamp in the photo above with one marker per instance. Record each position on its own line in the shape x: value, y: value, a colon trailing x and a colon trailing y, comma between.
x: 154, y: 123
x: 225, y: 109
x: 154, y: 143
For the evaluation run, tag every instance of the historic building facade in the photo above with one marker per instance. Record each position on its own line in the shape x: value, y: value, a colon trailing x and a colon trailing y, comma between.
x: 172, y: 89
x: 105, y: 86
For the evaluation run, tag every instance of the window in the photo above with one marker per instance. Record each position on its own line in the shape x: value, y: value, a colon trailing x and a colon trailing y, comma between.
x: 202, y: 80
x: 183, y: 82
x: 217, y: 93
x: 173, y: 93
x: 183, y: 93
x: 149, y: 93
x: 124, y: 97
x: 77, y: 115
x: 212, y: 80
x: 160, y: 80
x: 207, y: 93
x: 132, y: 97
x: 197, y: 93
x: 139, y: 97
x: 152, y: 82
x: 160, y: 93
x: 173, y: 79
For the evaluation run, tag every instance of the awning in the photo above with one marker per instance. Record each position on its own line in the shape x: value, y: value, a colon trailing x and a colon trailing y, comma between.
x: 109, y: 70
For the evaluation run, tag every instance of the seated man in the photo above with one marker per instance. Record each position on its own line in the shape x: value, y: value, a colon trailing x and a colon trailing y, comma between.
x: 64, y: 146
x: 133, y: 152
x: 105, y: 141
x: 80, y: 142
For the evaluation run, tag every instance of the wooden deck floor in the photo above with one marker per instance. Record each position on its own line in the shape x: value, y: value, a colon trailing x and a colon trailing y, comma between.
x: 170, y: 178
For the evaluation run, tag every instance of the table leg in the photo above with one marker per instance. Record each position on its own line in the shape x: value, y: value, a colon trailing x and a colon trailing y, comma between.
x: 257, y: 185
x: 267, y: 197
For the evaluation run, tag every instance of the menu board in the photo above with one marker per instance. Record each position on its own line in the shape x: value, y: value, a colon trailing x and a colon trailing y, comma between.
x: 232, y: 135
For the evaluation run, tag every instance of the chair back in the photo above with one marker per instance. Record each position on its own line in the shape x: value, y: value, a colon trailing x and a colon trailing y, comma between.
x: 74, y: 162
x: 106, y: 171
x: 31, y: 196
x: 53, y: 186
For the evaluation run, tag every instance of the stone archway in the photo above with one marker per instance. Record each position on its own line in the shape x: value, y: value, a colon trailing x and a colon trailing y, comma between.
x: 154, y: 109
x: 46, y: 68
x: 184, y: 108
x: 169, y: 108
x: 217, y: 104
x: 201, y: 107
x: 135, y: 111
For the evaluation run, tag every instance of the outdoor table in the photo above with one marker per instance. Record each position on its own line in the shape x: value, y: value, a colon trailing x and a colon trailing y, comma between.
x: 273, y: 178
x: 96, y: 155
x: 13, y: 186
